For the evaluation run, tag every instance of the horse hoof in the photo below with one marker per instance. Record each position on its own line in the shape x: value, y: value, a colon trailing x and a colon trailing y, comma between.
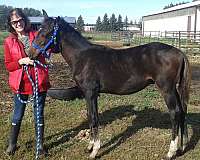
x: 169, y: 158
x: 94, y: 153
x: 166, y: 158
x: 90, y: 147
x: 11, y: 150
x: 179, y: 152
x: 86, y: 150
x: 92, y: 156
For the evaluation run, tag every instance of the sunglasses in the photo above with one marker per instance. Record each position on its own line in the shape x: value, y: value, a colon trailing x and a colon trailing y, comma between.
x: 14, y: 23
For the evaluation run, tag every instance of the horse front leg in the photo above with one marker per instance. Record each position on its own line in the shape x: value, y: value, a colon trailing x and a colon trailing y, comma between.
x: 93, y: 118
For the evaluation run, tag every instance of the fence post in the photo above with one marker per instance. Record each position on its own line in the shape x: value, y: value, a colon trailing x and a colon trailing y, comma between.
x: 179, y: 39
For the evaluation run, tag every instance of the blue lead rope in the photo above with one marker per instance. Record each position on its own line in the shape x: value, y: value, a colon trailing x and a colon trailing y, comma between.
x: 35, y: 96
x: 37, y: 112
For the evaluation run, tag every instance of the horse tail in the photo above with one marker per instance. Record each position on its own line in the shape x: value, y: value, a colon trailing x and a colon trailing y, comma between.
x: 66, y: 94
x: 184, y: 83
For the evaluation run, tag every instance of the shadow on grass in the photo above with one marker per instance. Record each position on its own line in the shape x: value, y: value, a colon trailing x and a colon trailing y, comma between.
x: 156, y: 119
x: 146, y: 118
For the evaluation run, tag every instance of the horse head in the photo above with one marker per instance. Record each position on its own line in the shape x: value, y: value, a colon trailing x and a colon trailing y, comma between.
x: 47, y: 38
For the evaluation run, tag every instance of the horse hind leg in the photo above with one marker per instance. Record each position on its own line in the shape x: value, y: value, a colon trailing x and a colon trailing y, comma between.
x: 174, y: 111
x: 183, y: 123
x: 183, y: 133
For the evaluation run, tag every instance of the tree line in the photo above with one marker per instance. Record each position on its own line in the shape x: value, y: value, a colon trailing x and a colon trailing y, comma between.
x: 108, y: 24
x: 177, y: 4
x: 4, y: 10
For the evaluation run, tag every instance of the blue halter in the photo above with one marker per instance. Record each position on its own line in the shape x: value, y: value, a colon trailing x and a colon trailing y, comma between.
x: 43, y: 50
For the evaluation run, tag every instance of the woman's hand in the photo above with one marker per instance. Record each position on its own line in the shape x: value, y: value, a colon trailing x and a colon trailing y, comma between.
x: 26, y: 61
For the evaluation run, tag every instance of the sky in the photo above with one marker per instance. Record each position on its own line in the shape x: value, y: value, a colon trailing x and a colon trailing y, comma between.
x: 91, y: 9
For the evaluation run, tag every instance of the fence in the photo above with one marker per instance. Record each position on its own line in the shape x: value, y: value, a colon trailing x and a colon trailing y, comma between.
x: 187, y: 41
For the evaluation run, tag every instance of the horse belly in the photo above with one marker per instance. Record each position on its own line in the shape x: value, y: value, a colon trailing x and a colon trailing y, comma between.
x: 125, y: 88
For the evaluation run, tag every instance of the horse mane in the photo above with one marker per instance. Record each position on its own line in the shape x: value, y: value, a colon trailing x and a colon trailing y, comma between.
x: 65, y: 26
x: 77, y: 37
x: 72, y: 34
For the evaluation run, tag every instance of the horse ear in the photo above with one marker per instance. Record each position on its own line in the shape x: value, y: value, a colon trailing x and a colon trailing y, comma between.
x: 45, y: 14
x: 58, y: 19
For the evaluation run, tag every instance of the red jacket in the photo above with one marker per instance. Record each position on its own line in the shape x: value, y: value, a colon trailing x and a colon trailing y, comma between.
x: 18, y: 80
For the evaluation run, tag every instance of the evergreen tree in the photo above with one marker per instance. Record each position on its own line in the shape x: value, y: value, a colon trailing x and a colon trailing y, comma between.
x: 30, y: 12
x: 126, y: 23
x: 80, y: 24
x: 105, y: 23
x: 3, y: 16
x: 140, y: 23
x: 119, y: 26
x: 113, y: 23
x: 98, y: 24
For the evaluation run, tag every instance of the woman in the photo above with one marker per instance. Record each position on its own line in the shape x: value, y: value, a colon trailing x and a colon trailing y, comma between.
x: 16, y: 47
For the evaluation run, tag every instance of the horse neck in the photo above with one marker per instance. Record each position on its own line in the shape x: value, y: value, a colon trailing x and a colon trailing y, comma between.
x: 72, y: 47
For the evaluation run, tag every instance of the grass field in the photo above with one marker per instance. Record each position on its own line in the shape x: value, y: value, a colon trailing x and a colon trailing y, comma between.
x: 133, y: 127
x: 2, y: 36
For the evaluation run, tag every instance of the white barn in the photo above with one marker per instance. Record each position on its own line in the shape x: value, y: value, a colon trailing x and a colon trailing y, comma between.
x: 185, y: 17
x: 89, y: 27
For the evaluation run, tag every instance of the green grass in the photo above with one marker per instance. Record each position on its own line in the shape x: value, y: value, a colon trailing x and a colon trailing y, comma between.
x: 64, y: 122
x: 98, y: 36
x: 135, y: 126
x: 3, y: 35
x: 1, y: 51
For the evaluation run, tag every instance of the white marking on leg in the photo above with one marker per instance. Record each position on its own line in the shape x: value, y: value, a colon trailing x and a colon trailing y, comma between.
x: 185, y: 142
x: 173, y: 148
x: 96, y: 148
x: 91, y: 143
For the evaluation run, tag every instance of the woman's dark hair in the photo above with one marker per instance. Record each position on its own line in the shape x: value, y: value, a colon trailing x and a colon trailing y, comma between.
x: 20, y: 13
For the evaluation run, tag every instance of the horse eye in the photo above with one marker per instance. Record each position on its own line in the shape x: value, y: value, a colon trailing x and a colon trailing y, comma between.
x: 42, y: 35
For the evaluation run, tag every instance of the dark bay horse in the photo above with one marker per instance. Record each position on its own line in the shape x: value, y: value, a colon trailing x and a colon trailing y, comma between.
x: 100, y: 69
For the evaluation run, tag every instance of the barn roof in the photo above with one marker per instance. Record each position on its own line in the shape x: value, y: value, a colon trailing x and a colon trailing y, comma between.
x: 33, y: 20
x: 70, y: 19
x: 178, y: 7
x: 36, y: 19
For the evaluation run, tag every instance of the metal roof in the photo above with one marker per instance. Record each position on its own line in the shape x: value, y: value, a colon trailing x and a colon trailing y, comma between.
x: 178, y: 7
x: 36, y: 19
x: 70, y: 20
